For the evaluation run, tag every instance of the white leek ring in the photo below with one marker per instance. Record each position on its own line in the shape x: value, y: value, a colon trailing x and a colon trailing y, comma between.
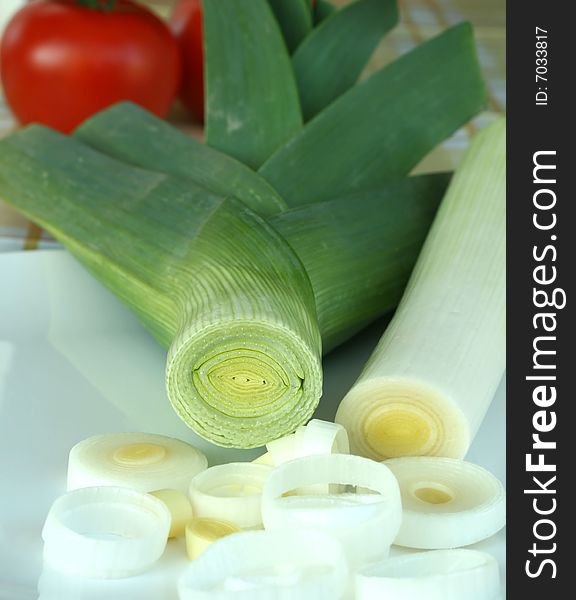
x: 447, y: 502
x: 232, y: 492
x: 105, y: 532
x: 141, y: 461
x: 436, y: 575
x: 366, y: 524
x: 260, y: 565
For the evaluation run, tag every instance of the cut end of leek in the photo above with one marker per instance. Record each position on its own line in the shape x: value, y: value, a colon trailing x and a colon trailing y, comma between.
x: 387, y: 418
x: 203, y: 531
x: 261, y: 383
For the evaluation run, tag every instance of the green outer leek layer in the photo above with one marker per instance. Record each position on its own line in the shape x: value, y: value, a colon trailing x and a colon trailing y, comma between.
x: 323, y: 10
x: 382, y: 127
x: 206, y: 275
x: 332, y: 238
x: 359, y: 250
x: 133, y: 135
x: 432, y: 377
x: 294, y: 18
x: 331, y: 58
x: 252, y: 104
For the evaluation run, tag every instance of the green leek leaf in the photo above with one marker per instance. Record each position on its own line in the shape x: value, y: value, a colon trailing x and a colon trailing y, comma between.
x: 252, y: 102
x: 381, y: 128
x: 331, y: 58
x: 294, y: 18
x: 323, y: 10
x: 133, y: 135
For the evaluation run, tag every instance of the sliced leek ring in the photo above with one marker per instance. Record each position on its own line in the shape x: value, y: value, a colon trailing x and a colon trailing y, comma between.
x: 447, y: 502
x: 365, y: 523
x: 105, y: 532
x: 259, y: 565
x: 201, y: 532
x: 435, y: 575
x: 232, y: 492
x: 141, y: 461
x: 317, y: 437
x: 180, y: 510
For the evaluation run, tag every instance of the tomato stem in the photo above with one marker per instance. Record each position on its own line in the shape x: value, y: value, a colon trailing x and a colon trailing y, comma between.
x: 103, y: 5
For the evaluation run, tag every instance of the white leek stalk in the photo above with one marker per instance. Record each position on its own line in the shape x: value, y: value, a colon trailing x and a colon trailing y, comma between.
x: 259, y: 565
x: 201, y: 532
x: 365, y: 523
x: 142, y: 461
x: 232, y: 492
x: 447, y: 502
x: 437, y: 575
x: 105, y: 532
x: 180, y: 510
x: 430, y: 381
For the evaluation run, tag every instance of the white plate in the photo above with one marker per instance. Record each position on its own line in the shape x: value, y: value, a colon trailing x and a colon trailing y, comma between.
x: 74, y: 362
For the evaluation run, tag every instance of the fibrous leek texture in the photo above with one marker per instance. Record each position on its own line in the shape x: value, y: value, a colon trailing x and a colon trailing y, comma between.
x: 216, y: 284
x: 209, y: 278
x: 430, y: 381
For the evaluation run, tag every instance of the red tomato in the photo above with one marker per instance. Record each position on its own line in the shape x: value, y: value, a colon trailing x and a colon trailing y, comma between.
x: 187, y: 25
x: 61, y: 62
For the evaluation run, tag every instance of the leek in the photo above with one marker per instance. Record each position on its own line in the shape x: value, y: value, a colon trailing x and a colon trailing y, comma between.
x: 180, y: 510
x: 446, y: 502
x: 141, y: 461
x: 105, y: 532
x: 381, y: 128
x: 207, y: 277
x: 202, y: 531
x: 437, y: 575
x: 294, y: 18
x: 216, y: 284
x: 430, y: 381
x: 330, y: 60
x: 252, y: 104
x: 135, y: 136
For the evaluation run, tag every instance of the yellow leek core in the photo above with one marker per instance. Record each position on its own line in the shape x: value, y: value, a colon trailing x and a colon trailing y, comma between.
x: 201, y: 532
x: 139, y: 454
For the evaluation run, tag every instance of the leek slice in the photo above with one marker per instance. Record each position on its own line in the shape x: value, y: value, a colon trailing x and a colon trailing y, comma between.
x: 381, y: 128
x: 294, y: 18
x: 232, y: 492
x: 252, y: 104
x: 437, y: 575
x: 131, y: 134
x: 330, y: 60
x: 105, y: 532
x: 258, y: 565
x: 430, y: 381
x: 365, y: 523
x: 180, y: 510
x: 446, y: 502
x: 203, y: 531
x: 141, y: 461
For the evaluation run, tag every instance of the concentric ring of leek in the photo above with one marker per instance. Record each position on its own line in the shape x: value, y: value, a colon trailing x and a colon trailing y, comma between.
x: 388, y: 417
x: 241, y: 383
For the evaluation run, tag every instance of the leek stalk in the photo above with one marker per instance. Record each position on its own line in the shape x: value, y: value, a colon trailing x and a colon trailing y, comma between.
x: 430, y: 380
x: 217, y: 285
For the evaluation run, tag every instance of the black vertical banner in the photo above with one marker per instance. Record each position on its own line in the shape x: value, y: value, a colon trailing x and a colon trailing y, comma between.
x: 541, y: 152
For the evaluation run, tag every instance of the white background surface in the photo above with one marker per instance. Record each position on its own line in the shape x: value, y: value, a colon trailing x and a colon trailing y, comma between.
x: 73, y: 363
